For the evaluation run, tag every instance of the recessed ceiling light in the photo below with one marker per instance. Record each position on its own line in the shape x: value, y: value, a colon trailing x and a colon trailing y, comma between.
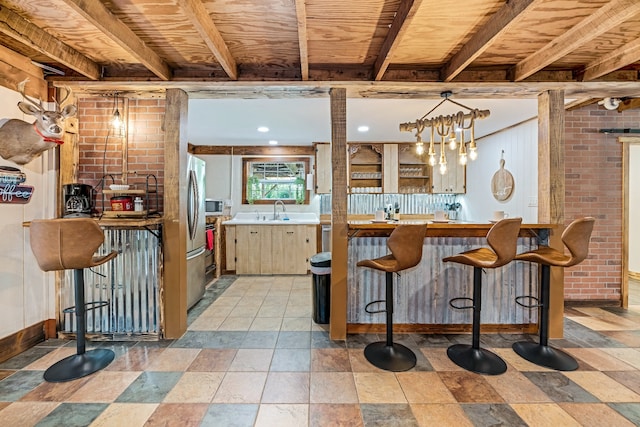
x: 263, y: 129
x: 273, y: 142
x: 363, y: 128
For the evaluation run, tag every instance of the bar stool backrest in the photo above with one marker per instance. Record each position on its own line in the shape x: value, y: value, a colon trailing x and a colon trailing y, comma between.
x: 66, y: 243
x: 405, y: 244
x: 576, y: 238
x: 503, y: 239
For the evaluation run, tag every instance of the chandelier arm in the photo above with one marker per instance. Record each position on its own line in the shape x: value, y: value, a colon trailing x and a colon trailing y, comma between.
x: 433, y: 109
x: 459, y: 104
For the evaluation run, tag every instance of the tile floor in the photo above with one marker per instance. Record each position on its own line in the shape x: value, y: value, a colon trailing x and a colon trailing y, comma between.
x: 253, y: 357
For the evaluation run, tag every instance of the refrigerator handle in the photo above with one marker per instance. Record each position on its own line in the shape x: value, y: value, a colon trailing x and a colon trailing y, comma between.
x: 192, y: 205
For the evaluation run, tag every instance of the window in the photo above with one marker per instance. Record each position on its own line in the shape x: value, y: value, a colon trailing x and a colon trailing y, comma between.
x: 266, y: 180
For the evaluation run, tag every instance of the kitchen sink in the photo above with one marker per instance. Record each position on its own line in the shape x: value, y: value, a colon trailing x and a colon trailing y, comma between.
x: 266, y: 218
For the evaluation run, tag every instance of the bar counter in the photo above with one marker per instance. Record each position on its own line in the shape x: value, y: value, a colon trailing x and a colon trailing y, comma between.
x: 422, y: 293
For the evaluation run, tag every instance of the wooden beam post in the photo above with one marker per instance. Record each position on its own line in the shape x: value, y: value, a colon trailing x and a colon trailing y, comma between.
x: 174, y: 236
x: 551, y: 191
x: 339, y: 227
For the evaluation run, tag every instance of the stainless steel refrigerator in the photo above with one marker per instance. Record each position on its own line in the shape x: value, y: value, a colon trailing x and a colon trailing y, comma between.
x: 195, y: 230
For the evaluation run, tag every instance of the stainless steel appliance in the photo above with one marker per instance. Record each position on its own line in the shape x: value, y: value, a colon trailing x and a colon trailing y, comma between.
x: 78, y: 200
x: 214, y: 206
x: 195, y: 230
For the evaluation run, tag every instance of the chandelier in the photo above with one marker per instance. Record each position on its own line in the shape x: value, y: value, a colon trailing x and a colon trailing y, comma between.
x: 446, y: 128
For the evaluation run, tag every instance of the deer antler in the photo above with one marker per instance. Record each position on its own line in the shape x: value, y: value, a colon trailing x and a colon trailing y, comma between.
x: 66, y: 96
x: 21, y: 89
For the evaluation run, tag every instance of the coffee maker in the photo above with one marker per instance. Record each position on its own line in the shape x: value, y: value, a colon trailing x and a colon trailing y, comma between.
x: 78, y: 200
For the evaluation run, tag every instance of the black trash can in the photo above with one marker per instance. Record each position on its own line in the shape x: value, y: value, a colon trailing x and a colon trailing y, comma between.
x: 321, y: 270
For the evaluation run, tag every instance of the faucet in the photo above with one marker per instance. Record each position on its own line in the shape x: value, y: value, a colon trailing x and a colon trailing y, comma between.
x: 284, y: 210
x: 257, y: 215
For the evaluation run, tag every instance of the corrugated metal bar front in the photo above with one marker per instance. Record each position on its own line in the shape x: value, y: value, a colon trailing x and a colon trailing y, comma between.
x: 422, y: 293
x: 130, y: 284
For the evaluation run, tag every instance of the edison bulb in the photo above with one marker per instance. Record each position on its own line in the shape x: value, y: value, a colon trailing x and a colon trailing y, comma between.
x: 443, y: 168
x: 453, y: 144
x: 463, y: 159
x: 116, y: 120
x: 419, y: 149
x: 473, y: 154
x: 432, y: 160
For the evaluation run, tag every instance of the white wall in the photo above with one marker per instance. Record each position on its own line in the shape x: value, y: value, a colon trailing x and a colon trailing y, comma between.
x: 27, y: 295
x: 520, y: 145
x: 634, y: 208
x: 224, y: 181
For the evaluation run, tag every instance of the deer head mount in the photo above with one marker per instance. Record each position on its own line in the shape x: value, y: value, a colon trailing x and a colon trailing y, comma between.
x: 21, y: 142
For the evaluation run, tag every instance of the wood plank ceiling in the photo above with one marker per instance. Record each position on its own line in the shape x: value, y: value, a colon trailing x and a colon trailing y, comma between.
x: 392, y: 43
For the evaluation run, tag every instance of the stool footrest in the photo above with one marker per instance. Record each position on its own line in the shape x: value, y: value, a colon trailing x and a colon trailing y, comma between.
x: 543, y: 355
x: 461, y: 307
x: 530, y: 297
x: 91, y: 305
x: 395, y: 357
x: 477, y: 360
x: 366, y: 307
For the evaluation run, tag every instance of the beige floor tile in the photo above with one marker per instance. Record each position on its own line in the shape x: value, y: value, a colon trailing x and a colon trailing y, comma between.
x: 178, y: 414
x: 424, y: 387
x: 627, y: 355
x: 218, y: 310
x: 271, y: 310
x: 516, y: 388
x: 206, y: 323
x: 605, y: 388
x: 174, y: 359
x: 244, y: 311
x: 330, y: 360
x: 359, y: 363
x: 125, y: 414
x: 335, y: 415
x: 611, y: 321
x: 236, y: 324
x: 594, y: 414
x: 195, y: 387
x: 294, y: 310
x: 286, y: 387
x: 55, y: 392
x: 441, y: 415
x: 49, y: 359
x: 378, y: 388
x: 597, y: 324
x: 296, y: 323
x: 283, y: 415
x: 512, y: 358
x: 136, y: 359
x: 438, y: 358
x: 224, y: 300
x: 241, y: 387
x: 333, y: 387
x: 266, y: 324
x: 629, y: 379
x: 599, y: 359
x: 26, y: 414
x: 213, y: 360
x: 104, y: 386
x: 544, y: 415
x: 252, y: 360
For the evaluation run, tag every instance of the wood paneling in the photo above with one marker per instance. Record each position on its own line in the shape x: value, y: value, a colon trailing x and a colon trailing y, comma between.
x: 26, y: 338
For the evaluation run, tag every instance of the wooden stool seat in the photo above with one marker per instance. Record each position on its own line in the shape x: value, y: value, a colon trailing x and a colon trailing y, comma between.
x: 405, y: 244
x: 63, y: 244
x: 503, y: 239
x: 576, y: 238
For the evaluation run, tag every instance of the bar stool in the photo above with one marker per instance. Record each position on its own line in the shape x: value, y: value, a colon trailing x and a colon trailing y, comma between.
x: 405, y: 244
x: 63, y: 244
x: 576, y: 238
x: 503, y: 239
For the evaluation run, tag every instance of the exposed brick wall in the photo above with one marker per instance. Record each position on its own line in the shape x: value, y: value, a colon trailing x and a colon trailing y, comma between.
x: 593, y: 173
x: 101, y: 152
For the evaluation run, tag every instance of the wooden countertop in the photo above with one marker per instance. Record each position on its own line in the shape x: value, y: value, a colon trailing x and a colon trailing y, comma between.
x: 120, y: 222
x: 366, y: 228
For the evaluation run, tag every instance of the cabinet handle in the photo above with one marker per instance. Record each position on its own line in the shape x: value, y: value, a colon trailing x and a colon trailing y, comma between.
x: 253, y: 232
x: 289, y: 232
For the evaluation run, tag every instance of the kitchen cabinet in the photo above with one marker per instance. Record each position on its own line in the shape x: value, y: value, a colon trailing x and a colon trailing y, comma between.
x: 414, y: 173
x: 270, y: 249
x: 322, y: 168
x: 454, y: 180
x: 365, y: 168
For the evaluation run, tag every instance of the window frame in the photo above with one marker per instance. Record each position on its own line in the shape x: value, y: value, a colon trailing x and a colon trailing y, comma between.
x: 246, y: 165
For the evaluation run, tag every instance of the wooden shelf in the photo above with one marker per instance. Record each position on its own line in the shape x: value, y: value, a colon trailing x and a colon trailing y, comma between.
x: 124, y: 214
x: 130, y: 191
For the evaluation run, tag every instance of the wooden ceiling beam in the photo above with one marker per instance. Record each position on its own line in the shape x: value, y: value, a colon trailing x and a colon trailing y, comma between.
x: 201, y: 20
x: 508, y: 15
x: 623, y: 56
x: 301, y: 15
x: 629, y: 104
x: 604, y: 19
x: 97, y: 13
x: 21, y: 30
x: 405, y: 14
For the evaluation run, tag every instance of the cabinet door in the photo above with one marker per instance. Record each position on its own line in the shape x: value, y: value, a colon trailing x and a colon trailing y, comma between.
x: 248, y: 249
x: 390, y: 168
x: 323, y: 168
x: 230, y: 247
x: 454, y: 180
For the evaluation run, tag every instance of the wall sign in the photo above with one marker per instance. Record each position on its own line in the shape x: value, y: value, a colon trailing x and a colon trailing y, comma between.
x: 10, y: 189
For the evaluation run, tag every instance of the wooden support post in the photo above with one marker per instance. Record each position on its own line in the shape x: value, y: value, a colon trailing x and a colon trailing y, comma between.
x: 551, y: 192
x: 339, y: 227
x: 174, y: 236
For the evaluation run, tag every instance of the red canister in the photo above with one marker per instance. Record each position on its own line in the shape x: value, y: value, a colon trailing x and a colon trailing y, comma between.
x: 122, y: 203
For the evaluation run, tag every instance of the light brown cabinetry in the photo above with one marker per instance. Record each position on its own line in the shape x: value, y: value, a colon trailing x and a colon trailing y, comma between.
x: 452, y: 182
x: 414, y: 174
x: 365, y: 168
x: 270, y: 249
x: 322, y: 168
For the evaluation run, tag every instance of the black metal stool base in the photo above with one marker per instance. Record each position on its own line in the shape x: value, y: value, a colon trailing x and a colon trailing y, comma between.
x: 543, y: 355
x: 476, y: 360
x: 79, y: 365
x: 395, y: 358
